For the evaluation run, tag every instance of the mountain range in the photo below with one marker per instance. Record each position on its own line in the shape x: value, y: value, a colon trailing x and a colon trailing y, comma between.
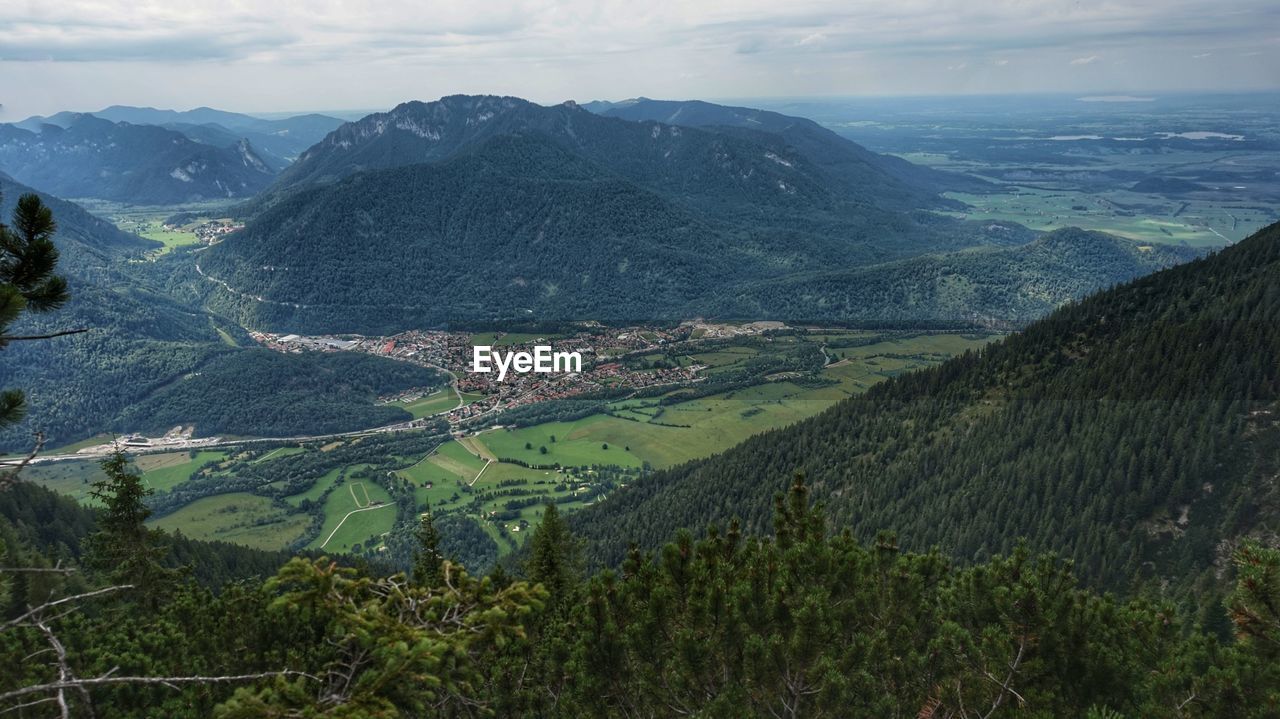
x: 493, y: 208
x: 136, y: 164
x: 278, y: 141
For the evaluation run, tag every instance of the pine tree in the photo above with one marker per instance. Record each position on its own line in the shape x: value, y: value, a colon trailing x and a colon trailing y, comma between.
x: 554, y: 556
x: 28, y: 259
x: 124, y: 549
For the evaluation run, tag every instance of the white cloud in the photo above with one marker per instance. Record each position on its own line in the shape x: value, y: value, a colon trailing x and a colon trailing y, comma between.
x: 553, y: 49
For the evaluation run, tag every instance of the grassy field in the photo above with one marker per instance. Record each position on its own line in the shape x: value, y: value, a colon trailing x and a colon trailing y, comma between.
x: 346, y: 497
x: 439, y: 401
x: 162, y: 472
x: 279, y: 452
x: 238, y: 517
x: 713, y: 424
x: 70, y: 478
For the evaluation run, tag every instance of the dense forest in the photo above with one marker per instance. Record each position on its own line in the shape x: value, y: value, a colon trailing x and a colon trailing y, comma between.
x: 797, y: 622
x: 1000, y: 286
x: 264, y: 393
x: 1136, y: 432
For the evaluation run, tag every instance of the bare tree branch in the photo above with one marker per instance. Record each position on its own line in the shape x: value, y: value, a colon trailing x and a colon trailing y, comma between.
x: 5, y: 339
x: 9, y: 476
x: 36, y: 611
x: 164, y: 681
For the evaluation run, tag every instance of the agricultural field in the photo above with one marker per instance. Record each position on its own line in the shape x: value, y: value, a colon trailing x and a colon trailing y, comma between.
x: 1179, y: 169
x: 355, y: 511
x: 237, y: 517
x: 1197, y: 223
x: 162, y: 472
x: 442, y: 400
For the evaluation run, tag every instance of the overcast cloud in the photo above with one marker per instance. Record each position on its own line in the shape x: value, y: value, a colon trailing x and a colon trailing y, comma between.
x: 290, y: 55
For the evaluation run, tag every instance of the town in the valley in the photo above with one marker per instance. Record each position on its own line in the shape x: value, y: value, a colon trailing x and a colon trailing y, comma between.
x: 604, y: 351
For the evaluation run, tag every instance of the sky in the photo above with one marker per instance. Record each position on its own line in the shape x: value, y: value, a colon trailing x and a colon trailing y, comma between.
x: 288, y: 55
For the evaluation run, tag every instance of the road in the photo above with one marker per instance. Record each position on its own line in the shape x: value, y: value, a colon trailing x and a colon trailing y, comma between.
x: 348, y: 514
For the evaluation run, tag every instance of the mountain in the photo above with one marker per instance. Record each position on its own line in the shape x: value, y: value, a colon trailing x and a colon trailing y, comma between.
x: 136, y: 164
x: 265, y: 146
x: 911, y: 185
x: 755, y: 177
x: 516, y: 227
x: 284, y: 137
x: 178, y: 361
x: 989, y: 286
x: 1136, y: 432
x: 494, y: 208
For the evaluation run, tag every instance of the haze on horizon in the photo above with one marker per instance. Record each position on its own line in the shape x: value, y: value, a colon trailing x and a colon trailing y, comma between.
x: 295, y: 56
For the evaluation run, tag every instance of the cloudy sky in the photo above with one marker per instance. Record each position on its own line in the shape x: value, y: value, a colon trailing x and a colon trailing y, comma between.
x: 287, y: 55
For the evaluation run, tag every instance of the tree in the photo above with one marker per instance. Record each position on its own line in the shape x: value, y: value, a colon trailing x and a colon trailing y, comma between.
x: 555, y: 558
x: 428, y: 563
x: 124, y: 549
x: 390, y: 648
x: 28, y: 259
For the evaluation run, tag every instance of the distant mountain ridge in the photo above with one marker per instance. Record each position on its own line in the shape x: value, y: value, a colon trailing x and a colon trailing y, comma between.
x: 719, y: 169
x: 284, y: 138
x: 913, y: 185
x: 137, y: 164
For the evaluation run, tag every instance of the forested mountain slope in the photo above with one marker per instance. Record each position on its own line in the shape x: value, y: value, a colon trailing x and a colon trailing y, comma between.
x: 996, y: 286
x: 1135, y: 431
x: 518, y: 227
x: 147, y: 350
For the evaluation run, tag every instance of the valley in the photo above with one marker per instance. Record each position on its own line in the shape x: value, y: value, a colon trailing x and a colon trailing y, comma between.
x: 322, y: 396
x: 651, y: 397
